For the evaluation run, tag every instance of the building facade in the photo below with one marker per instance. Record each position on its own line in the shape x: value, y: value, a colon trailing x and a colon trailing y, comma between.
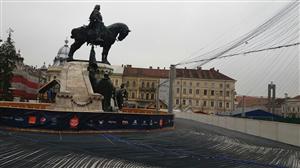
x: 207, y: 91
x: 141, y: 84
x: 117, y: 76
x: 26, y: 80
x: 291, y: 107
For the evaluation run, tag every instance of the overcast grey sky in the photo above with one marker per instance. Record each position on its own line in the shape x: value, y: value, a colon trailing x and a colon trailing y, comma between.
x: 163, y: 32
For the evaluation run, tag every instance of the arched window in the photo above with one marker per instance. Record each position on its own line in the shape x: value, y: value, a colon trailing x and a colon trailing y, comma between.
x: 133, y: 83
x: 142, y: 95
x: 143, y: 84
x: 184, y: 90
x: 152, y: 96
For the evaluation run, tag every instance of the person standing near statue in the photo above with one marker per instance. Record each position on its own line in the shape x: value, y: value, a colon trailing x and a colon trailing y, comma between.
x: 120, y: 95
x: 96, y: 23
x: 105, y: 88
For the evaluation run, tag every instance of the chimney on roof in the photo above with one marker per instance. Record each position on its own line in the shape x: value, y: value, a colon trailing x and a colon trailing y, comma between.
x: 157, y: 67
x: 212, y: 69
x: 164, y: 67
x: 128, y: 66
x: 217, y: 70
x: 184, y: 67
x: 150, y: 67
x: 199, y: 68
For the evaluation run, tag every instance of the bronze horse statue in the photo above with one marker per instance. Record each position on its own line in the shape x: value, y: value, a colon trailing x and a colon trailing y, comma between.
x: 116, y: 31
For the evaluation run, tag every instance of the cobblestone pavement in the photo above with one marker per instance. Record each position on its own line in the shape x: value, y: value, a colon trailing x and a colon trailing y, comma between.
x: 190, y: 144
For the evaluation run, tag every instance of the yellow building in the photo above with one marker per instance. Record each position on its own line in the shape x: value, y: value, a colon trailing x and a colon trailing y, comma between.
x: 141, y: 84
x: 291, y: 107
x: 117, y: 76
x: 207, y: 91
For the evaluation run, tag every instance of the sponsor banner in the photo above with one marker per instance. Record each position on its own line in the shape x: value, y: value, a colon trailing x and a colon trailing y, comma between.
x: 25, y: 118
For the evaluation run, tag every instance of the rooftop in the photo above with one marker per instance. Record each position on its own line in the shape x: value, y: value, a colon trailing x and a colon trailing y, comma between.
x: 180, y: 73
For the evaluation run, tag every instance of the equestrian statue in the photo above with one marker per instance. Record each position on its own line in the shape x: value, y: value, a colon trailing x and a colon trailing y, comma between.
x: 96, y: 33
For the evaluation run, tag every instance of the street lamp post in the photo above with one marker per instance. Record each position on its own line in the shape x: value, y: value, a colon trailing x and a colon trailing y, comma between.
x: 172, y: 76
x: 157, y: 98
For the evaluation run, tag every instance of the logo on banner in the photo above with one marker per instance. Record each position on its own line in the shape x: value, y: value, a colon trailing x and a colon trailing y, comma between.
x: 100, y: 122
x: 74, y: 122
x: 134, y: 122
x: 31, y: 119
x: 112, y: 122
x: 161, y: 122
x: 53, y: 121
x: 90, y: 123
x: 43, y: 120
x: 144, y: 123
x: 7, y: 117
x: 19, y: 119
x: 124, y: 122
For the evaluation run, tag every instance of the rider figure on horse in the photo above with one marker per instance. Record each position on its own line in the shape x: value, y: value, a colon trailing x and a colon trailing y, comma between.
x: 96, y: 23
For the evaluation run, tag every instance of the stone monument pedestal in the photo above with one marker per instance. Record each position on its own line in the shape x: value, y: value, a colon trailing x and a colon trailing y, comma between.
x: 76, y: 93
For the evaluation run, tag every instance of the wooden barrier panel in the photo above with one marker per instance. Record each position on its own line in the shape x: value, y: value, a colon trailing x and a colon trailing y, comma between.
x: 277, y: 131
x: 252, y: 127
x: 215, y: 121
x: 269, y: 130
x: 230, y: 123
x: 222, y: 122
x: 289, y: 133
x: 240, y: 124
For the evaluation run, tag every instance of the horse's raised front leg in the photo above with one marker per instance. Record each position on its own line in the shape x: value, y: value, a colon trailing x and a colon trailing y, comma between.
x: 75, y: 46
x: 105, y: 51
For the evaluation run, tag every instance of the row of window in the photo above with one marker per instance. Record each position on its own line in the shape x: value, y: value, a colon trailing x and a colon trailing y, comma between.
x: 205, y: 103
x: 205, y: 92
x: 153, y: 84
x: 291, y: 109
x: 133, y: 84
x: 115, y: 82
x: 143, y: 84
x: 184, y: 83
x: 146, y: 96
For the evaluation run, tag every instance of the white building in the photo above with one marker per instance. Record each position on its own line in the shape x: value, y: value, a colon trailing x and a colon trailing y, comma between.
x: 62, y: 55
x: 291, y: 107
